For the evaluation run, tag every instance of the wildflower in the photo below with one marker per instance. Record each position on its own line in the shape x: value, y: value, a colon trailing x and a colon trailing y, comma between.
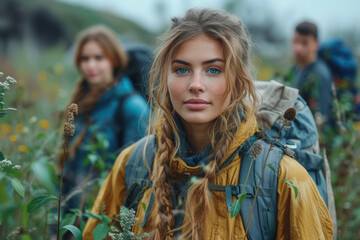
x: 13, y: 138
x: 16, y: 167
x: 5, y: 85
x: 26, y: 130
x: 23, y: 148
x: 58, y: 69
x: 255, y: 150
x: 10, y: 79
x: 69, y: 129
x: 357, y: 125
x: 33, y: 119
x: 44, y: 124
x: 5, y: 163
x: 5, y: 128
x: 42, y: 76
x: 19, y: 128
x: 1, y: 73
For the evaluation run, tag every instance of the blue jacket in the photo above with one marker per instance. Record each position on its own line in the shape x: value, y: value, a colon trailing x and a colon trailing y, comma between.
x: 119, y: 118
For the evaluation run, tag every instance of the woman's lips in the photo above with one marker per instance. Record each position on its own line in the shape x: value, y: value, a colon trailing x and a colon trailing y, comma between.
x: 196, y: 104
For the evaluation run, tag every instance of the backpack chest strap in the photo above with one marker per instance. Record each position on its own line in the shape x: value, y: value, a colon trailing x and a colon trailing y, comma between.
x: 235, y: 190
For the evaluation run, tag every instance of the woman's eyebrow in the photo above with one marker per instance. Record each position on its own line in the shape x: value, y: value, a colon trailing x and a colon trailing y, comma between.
x: 213, y: 60
x: 181, y: 62
x: 206, y: 62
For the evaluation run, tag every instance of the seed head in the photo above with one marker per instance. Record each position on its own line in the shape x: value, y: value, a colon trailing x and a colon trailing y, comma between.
x: 290, y: 114
x: 73, y: 108
x: 70, y: 116
x: 255, y: 150
x: 69, y: 130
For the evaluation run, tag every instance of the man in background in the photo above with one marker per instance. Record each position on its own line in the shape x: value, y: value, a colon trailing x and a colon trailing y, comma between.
x: 310, y: 74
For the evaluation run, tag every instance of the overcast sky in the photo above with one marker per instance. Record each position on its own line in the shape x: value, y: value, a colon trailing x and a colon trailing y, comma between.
x: 328, y: 14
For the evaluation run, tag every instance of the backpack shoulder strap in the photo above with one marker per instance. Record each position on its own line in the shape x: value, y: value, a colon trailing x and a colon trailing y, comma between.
x: 263, y: 220
x: 136, y: 172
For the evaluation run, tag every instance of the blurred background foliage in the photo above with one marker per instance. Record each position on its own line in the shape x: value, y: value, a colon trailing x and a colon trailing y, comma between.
x: 36, y: 44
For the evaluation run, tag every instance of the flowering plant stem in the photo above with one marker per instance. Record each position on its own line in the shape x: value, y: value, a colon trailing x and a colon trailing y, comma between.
x: 60, y: 190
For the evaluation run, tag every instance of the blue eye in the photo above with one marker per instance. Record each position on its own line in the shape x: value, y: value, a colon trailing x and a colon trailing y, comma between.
x: 213, y: 71
x: 181, y: 71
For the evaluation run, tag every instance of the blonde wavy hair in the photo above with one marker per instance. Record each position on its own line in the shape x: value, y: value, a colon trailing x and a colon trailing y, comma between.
x: 231, y: 33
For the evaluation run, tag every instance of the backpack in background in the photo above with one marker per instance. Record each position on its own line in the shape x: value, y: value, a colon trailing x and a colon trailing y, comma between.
x: 343, y: 66
x: 140, y: 59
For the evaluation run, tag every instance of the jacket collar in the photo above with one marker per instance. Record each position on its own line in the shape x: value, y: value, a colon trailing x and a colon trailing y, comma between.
x: 247, y: 129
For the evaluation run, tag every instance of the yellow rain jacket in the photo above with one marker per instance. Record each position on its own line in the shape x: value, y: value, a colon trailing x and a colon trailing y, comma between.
x: 305, y: 217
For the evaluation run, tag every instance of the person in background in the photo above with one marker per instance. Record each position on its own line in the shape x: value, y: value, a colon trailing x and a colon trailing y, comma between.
x: 310, y: 74
x: 204, y: 105
x: 112, y: 115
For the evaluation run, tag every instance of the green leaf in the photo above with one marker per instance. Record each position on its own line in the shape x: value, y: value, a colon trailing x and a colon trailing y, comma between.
x: 74, y: 230
x: 105, y: 219
x: 235, y: 208
x: 43, y: 172
x: 93, y: 158
x: 143, y: 206
x: 19, y: 188
x: 69, y: 219
x: 271, y: 167
x: 1, y: 156
x: 236, y: 205
x: 293, y: 186
x: 93, y: 215
x: 40, y: 201
x: 40, y: 136
x: 100, y: 231
x: 3, y: 114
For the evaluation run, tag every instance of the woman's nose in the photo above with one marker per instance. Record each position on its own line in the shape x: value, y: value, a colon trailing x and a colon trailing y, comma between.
x: 197, y: 82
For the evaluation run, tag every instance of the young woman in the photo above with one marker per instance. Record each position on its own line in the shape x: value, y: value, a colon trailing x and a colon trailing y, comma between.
x: 111, y: 114
x: 204, y: 104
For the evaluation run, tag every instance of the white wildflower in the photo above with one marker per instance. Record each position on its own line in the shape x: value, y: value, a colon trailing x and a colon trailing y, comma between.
x: 11, y: 109
x: 26, y: 130
x: 5, y: 163
x: 33, y: 119
x: 16, y: 167
x: 1, y: 73
x: 5, y: 85
x: 10, y: 79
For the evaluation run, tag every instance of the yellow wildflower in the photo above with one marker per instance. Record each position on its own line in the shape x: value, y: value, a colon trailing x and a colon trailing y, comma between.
x: 5, y: 128
x: 19, y: 128
x: 13, y: 138
x: 58, y: 69
x: 265, y: 73
x: 42, y: 76
x: 357, y: 125
x: 44, y: 124
x: 23, y: 148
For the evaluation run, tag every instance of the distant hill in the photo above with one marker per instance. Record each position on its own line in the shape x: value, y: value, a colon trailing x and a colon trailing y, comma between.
x: 45, y: 23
